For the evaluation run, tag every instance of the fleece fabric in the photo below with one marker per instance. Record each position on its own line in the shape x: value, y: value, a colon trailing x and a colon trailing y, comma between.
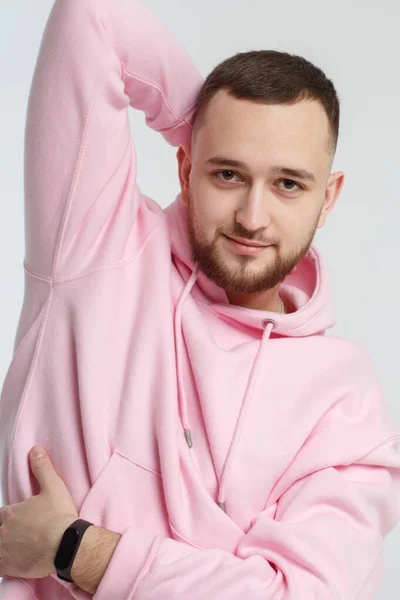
x: 240, y: 453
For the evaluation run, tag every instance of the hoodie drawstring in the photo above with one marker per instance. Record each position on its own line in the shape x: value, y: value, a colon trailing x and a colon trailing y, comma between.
x: 269, y: 325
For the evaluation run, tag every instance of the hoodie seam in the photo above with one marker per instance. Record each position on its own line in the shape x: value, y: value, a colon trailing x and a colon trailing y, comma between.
x: 25, y: 335
x: 44, y: 313
x: 386, y: 441
x: 178, y: 121
x: 122, y: 64
x: 148, y: 564
x: 101, y: 268
x: 139, y: 465
x: 185, y: 539
x: 28, y: 383
x: 78, y: 167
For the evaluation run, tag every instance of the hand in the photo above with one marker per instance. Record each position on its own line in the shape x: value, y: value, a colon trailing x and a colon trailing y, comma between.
x: 31, y: 531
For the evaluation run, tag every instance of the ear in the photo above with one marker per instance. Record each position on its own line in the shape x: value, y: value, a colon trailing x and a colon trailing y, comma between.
x: 333, y: 189
x: 184, y: 167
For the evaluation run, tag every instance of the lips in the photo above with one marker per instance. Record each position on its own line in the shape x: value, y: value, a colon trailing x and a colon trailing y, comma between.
x: 248, y: 243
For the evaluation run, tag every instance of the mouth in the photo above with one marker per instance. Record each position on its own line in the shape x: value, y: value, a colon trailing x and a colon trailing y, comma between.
x: 245, y: 248
x: 248, y: 243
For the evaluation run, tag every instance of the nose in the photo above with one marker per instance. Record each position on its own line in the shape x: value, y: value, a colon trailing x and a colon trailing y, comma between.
x: 253, y: 212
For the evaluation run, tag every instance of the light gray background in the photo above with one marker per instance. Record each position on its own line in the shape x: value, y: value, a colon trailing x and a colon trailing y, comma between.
x: 357, y: 44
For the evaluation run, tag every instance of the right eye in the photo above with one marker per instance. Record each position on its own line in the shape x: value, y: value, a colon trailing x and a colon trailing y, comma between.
x: 217, y: 173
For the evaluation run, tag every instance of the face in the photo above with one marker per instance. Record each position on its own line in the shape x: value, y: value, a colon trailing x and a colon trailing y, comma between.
x: 262, y: 199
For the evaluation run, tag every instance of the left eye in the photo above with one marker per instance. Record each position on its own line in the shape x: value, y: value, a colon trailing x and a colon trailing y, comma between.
x: 299, y: 187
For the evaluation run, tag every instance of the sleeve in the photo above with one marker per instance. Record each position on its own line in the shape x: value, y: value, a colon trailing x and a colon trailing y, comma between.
x: 96, y: 58
x: 324, y: 542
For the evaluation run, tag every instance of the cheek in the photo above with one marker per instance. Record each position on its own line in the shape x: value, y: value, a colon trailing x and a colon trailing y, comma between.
x: 210, y: 209
x: 293, y: 231
x: 297, y: 216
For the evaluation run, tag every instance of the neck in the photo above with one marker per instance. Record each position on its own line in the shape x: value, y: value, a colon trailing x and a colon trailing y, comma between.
x: 269, y: 303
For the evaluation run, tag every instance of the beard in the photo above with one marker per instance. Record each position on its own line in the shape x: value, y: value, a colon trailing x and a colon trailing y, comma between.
x: 242, y: 272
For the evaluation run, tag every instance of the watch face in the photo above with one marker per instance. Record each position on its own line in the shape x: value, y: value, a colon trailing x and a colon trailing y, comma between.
x: 66, y: 549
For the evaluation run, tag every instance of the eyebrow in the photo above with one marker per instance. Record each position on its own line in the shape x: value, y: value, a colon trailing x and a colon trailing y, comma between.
x: 224, y: 161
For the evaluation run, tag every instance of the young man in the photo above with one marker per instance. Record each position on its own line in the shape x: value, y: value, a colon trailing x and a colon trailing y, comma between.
x: 173, y: 362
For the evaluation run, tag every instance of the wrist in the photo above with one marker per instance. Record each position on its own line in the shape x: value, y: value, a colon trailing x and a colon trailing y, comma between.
x: 93, y: 556
x: 57, y: 532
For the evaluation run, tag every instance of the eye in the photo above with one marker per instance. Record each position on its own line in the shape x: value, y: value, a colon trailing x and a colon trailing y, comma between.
x: 291, y: 182
x: 217, y: 173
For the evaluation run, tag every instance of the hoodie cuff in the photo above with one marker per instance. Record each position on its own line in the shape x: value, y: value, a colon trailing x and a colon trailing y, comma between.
x: 130, y: 561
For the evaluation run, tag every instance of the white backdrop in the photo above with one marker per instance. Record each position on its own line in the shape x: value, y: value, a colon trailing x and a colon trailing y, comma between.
x: 357, y: 44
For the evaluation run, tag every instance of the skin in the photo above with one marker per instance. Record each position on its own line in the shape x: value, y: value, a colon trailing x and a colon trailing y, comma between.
x: 31, y: 531
x: 255, y: 203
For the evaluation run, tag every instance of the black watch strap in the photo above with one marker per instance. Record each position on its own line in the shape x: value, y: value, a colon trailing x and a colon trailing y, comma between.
x: 68, y: 548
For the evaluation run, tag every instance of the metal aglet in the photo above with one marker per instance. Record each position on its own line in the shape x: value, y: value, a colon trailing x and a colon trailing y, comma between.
x: 188, y: 437
x: 222, y: 505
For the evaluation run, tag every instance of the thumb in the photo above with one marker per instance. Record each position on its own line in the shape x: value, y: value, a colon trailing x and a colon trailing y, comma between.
x: 42, y: 466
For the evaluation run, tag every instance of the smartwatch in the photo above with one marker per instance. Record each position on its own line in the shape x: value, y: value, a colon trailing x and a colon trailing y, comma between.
x: 68, y: 548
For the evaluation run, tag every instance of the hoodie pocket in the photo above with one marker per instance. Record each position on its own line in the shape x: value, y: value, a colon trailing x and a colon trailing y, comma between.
x: 127, y: 494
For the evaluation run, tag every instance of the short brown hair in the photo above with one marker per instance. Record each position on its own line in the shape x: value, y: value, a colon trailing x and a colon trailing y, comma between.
x: 271, y: 77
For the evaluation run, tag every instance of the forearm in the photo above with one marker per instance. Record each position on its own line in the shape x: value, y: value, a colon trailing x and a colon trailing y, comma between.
x: 94, y: 554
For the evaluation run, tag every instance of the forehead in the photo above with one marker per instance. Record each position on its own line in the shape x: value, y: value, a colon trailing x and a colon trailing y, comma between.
x: 253, y: 131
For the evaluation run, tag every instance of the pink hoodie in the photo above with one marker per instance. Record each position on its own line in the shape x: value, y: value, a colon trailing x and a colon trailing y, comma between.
x: 241, y: 453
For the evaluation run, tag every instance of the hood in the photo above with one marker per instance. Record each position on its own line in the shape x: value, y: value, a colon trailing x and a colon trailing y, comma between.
x: 307, y: 287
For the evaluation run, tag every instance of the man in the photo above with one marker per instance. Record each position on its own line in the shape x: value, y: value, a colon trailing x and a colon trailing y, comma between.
x: 173, y: 362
